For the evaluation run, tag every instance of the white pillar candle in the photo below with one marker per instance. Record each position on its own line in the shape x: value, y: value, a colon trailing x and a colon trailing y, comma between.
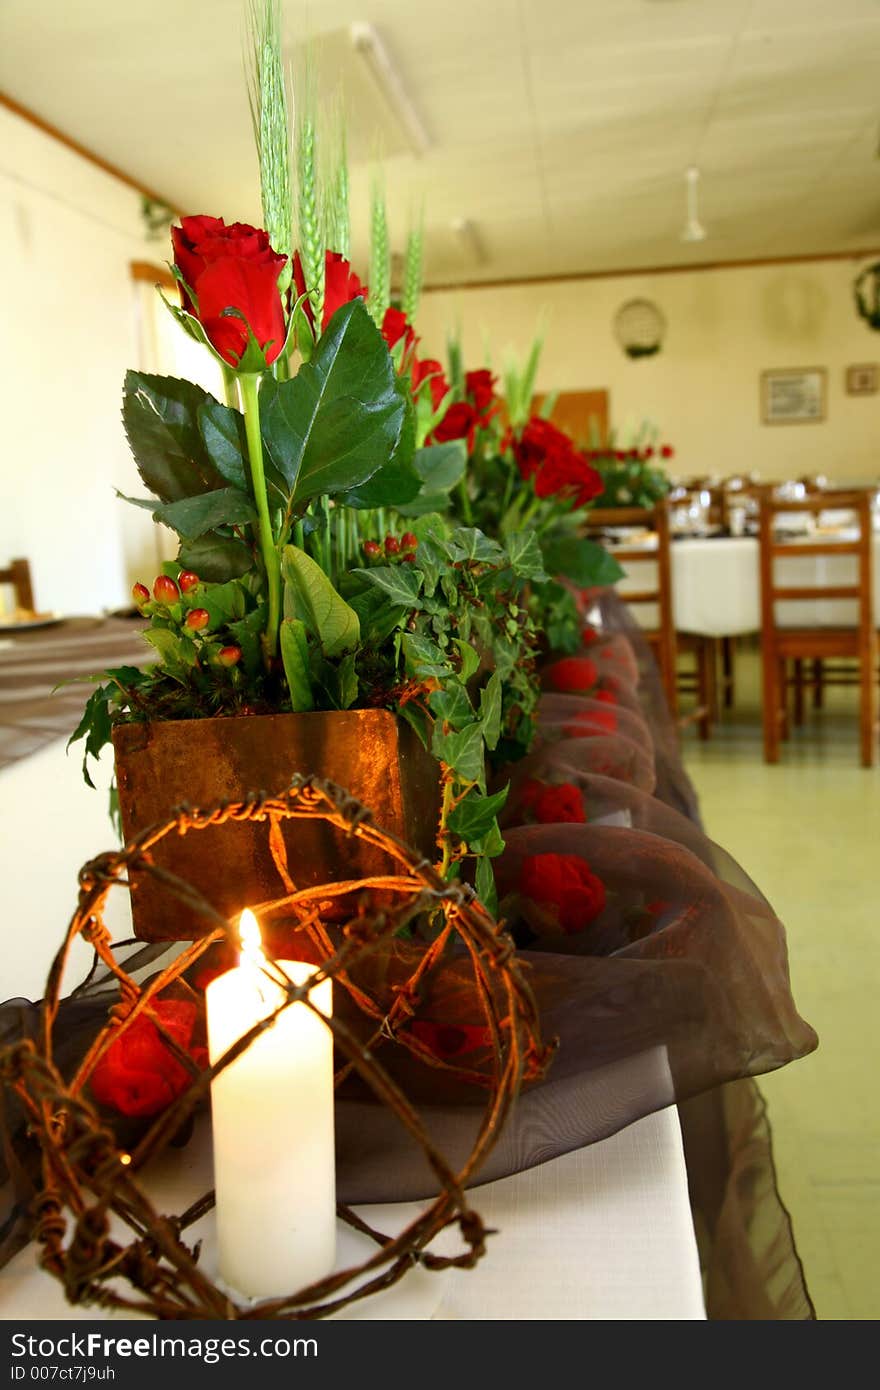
x: 272, y: 1116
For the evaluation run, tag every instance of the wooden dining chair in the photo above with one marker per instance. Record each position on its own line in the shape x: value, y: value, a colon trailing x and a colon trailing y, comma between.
x: 663, y: 639
x: 18, y: 574
x: 783, y: 647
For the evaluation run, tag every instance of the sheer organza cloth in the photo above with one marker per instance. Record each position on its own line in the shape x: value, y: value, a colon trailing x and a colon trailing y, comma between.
x: 657, y: 963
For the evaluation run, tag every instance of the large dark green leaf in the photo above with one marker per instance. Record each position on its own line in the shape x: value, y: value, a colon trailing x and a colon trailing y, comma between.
x: 222, y: 430
x: 396, y: 481
x: 216, y: 558
x: 160, y: 414
x: 192, y: 517
x: 583, y: 562
x: 339, y: 419
x: 295, y: 657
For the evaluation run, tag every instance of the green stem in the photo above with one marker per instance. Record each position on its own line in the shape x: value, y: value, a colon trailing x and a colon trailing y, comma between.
x: 444, y: 835
x: 465, y: 502
x: 230, y: 388
x: 248, y: 382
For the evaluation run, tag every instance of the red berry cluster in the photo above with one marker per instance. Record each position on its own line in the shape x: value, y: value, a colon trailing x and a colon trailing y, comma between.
x: 394, y: 548
x: 170, y: 600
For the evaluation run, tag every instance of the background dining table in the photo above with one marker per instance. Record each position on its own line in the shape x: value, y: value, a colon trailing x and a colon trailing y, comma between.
x: 716, y: 585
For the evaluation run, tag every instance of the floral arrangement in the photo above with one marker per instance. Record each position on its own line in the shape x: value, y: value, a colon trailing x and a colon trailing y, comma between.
x: 634, y: 476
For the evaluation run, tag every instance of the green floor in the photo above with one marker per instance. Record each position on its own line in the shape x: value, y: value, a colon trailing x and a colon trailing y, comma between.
x: 808, y: 832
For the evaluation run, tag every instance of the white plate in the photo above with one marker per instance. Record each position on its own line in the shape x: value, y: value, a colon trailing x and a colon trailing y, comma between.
x: 47, y: 620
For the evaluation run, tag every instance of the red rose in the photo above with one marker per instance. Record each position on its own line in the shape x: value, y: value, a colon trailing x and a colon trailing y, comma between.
x: 553, y: 805
x: 479, y: 387
x: 565, y: 883
x: 592, y: 721
x: 450, y: 1039
x: 547, y: 455
x: 395, y: 327
x: 431, y: 371
x: 341, y: 286
x: 138, y: 1074
x: 572, y: 673
x: 459, y: 422
x: 226, y: 268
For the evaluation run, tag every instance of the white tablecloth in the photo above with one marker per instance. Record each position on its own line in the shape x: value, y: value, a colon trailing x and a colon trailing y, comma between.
x: 601, y: 1233
x: 717, y: 590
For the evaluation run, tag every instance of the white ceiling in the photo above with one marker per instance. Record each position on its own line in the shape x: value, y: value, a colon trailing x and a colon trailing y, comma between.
x: 560, y: 128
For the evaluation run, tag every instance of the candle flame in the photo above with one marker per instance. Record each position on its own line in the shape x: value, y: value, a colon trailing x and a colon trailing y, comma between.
x: 251, y: 941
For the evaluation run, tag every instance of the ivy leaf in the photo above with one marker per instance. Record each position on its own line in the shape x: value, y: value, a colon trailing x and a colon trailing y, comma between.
x: 176, y: 652
x: 309, y: 596
x: 334, y: 424
x: 585, y: 563
x: 94, y: 726
x: 424, y: 657
x: 216, y: 558
x: 470, y: 659
x: 192, y: 517
x: 490, y: 844
x: 524, y: 554
x: 485, y: 886
x: 401, y: 583
x: 161, y: 419
x: 295, y: 657
x: 452, y: 706
x: 462, y: 750
x: 475, y: 816
x: 471, y: 544
x: 377, y: 617
x: 490, y: 709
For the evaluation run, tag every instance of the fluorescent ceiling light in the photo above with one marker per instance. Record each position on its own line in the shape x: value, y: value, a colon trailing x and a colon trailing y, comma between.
x: 370, y: 48
x: 693, y: 227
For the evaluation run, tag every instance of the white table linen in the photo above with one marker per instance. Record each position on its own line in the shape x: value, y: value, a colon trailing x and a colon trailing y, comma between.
x: 716, y: 587
x: 604, y: 1232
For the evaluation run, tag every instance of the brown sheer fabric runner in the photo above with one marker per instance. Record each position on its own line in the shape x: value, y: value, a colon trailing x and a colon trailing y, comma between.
x: 656, y: 961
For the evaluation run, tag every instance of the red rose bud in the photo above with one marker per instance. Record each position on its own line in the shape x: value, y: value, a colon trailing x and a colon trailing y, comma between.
x: 231, y: 267
x: 229, y: 656
x: 197, y: 619
x: 409, y: 558
x: 409, y: 540
x: 165, y: 590
x: 187, y: 581
x: 392, y: 545
x: 140, y: 593
x: 372, y: 549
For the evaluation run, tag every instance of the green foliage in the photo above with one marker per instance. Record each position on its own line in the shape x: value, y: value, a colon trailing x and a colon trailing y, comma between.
x: 413, y: 271
x: 311, y: 240
x: 380, y: 257
x: 584, y: 562
x: 267, y: 93
x: 310, y: 598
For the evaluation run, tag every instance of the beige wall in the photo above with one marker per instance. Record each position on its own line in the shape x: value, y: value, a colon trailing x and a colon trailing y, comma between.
x: 702, y: 390
x: 68, y: 311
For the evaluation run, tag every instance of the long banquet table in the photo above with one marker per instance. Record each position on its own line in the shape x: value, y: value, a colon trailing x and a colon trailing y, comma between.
x: 604, y: 1232
x: 678, y: 992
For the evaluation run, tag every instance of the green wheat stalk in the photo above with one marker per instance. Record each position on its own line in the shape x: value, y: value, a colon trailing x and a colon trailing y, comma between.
x: 311, y: 239
x: 338, y: 212
x: 380, y: 257
x: 413, y: 271
x: 268, y: 99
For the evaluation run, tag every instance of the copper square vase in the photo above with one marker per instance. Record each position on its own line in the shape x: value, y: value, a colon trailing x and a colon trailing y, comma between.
x: 371, y: 753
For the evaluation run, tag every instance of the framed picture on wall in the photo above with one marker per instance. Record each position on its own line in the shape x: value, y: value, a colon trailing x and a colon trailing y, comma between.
x: 793, y: 396
x: 862, y: 380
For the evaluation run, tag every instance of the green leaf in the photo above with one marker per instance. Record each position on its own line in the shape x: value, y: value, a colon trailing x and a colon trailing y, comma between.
x: 417, y: 719
x: 441, y: 466
x: 248, y: 633
x: 378, y: 617
x: 585, y: 563
x: 491, y: 843
x: 192, y: 517
x: 462, y: 750
x: 309, y: 596
x: 470, y: 659
x: 94, y: 726
x: 485, y: 886
x: 223, y: 432
x: 295, y: 656
x: 176, y: 652
x: 401, y: 583
x: 475, y: 816
x: 224, y: 603
x: 339, y: 682
x: 216, y: 558
x: 490, y: 709
x: 471, y: 544
x: 334, y: 424
x: 161, y: 419
x: 396, y: 481
x: 424, y: 657
x: 452, y: 705
x: 524, y: 554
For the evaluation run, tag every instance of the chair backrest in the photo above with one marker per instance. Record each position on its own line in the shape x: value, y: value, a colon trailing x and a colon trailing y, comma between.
x: 18, y: 574
x: 654, y: 519
x: 772, y: 549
